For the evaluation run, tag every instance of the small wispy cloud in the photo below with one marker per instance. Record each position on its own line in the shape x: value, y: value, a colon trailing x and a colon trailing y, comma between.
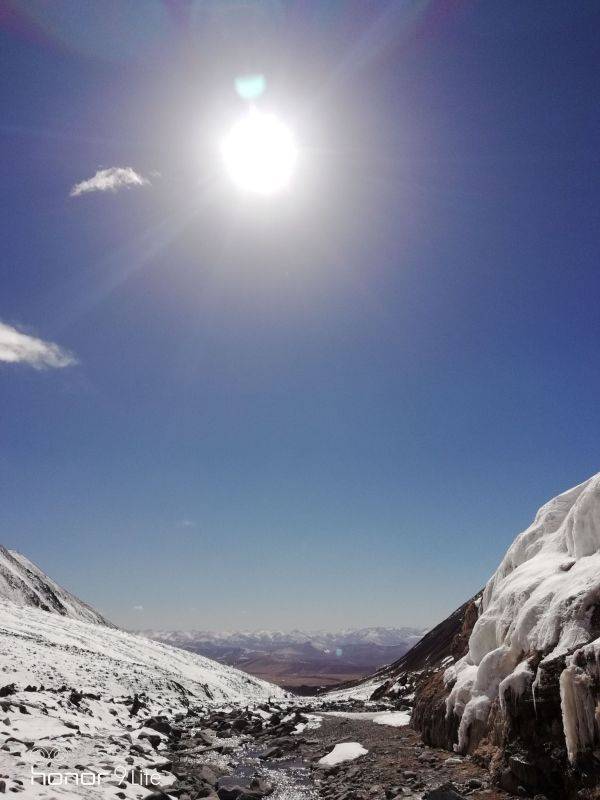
x: 138, y: 608
x: 109, y: 180
x: 186, y: 523
x: 18, y: 347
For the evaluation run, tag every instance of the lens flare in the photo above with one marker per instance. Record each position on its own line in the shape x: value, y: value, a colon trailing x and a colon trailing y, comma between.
x: 260, y: 153
x: 250, y: 87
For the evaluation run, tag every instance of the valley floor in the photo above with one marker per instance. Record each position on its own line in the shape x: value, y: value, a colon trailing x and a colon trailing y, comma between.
x: 285, y: 752
x: 397, y: 764
x: 230, y: 752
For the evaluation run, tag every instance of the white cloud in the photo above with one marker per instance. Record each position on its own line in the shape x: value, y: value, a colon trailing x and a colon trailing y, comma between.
x: 186, y: 523
x: 109, y: 180
x: 17, y: 347
x: 138, y: 608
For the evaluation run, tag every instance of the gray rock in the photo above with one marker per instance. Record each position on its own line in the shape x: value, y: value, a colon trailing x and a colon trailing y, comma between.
x: 153, y: 738
x: 209, y: 775
x: 206, y: 791
x: 443, y: 794
x: 205, y: 736
x: 524, y: 770
x: 271, y: 752
x: 230, y: 792
x: 261, y: 786
x: 508, y: 781
x: 160, y: 724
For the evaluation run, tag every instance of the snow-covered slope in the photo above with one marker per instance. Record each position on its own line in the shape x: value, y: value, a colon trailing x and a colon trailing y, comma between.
x: 68, y: 692
x: 24, y: 583
x: 74, y: 685
x: 541, y: 604
x: 52, y: 650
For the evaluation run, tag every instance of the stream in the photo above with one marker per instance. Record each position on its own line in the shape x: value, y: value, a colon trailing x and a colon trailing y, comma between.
x: 290, y: 777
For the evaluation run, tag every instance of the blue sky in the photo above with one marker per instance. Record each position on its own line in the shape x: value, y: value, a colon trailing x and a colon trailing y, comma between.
x: 331, y: 407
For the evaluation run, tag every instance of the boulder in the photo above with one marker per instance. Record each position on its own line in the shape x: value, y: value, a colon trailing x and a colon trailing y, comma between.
x: 230, y: 792
x: 261, y: 786
x: 443, y: 793
x: 160, y: 724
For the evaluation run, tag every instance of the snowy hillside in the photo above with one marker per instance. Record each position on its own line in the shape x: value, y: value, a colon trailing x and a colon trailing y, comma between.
x: 40, y: 648
x: 22, y: 582
x: 70, y: 686
x: 540, y: 613
x: 74, y: 685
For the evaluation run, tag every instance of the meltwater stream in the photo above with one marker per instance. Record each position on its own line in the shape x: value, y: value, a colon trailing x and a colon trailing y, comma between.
x: 290, y: 777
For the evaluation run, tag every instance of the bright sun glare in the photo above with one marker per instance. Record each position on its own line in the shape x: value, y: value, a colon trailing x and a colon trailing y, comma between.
x: 260, y: 153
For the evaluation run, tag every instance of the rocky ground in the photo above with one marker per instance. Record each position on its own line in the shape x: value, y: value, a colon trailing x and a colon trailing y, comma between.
x: 140, y: 752
x: 275, y: 750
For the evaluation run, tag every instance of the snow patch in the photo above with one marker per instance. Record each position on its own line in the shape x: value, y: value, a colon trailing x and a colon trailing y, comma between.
x: 395, y: 719
x: 313, y: 722
x: 362, y: 691
x: 346, y: 751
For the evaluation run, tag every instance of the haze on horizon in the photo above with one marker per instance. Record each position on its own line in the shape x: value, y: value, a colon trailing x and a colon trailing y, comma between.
x: 320, y: 397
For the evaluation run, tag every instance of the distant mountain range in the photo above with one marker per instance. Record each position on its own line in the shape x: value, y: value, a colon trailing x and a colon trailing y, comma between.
x: 298, y: 658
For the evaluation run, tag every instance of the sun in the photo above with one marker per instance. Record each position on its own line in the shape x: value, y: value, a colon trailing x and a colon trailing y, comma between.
x: 260, y: 153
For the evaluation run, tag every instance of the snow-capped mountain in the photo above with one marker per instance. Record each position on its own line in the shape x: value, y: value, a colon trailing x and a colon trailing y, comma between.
x: 385, y: 637
x: 298, y: 658
x: 24, y: 583
x: 397, y: 681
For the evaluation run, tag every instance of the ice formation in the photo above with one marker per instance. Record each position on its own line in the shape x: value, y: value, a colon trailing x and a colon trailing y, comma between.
x: 580, y: 707
x: 540, y: 600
